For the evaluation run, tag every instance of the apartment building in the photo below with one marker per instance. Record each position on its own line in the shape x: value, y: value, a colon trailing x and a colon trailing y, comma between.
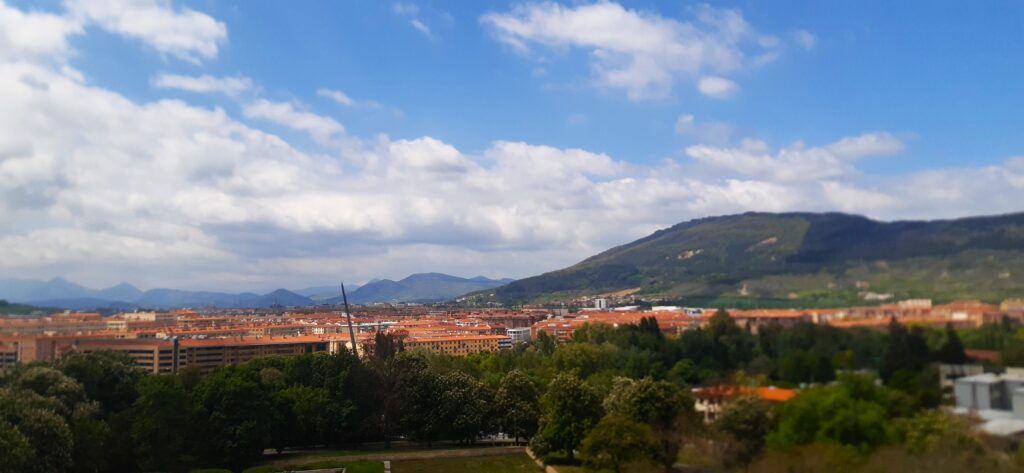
x: 459, y: 345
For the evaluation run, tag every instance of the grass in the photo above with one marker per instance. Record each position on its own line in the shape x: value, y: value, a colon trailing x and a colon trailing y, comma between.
x: 519, y: 463
x: 357, y: 466
x: 296, y: 456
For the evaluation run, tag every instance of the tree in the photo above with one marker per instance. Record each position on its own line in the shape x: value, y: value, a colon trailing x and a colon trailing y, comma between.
x: 232, y: 413
x: 160, y: 423
x: 40, y: 438
x: 952, y: 351
x: 569, y: 409
x: 386, y: 346
x: 518, y: 405
x: 616, y: 441
x: 747, y: 420
x: 658, y: 404
x: 906, y: 350
x: 422, y: 416
x: 853, y: 413
x: 465, y: 410
x: 545, y: 343
x: 108, y: 377
x: 61, y: 424
x: 390, y: 380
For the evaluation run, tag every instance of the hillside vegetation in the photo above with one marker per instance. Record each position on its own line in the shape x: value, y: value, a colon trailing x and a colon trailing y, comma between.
x: 806, y: 258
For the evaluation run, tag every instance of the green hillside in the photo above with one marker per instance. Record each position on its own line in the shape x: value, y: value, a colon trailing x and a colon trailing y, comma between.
x: 806, y: 258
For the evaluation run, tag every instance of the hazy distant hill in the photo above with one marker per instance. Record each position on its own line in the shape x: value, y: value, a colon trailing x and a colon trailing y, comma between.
x: 321, y: 293
x: 60, y: 293
x: 424, y: 287
x: 814, y: 258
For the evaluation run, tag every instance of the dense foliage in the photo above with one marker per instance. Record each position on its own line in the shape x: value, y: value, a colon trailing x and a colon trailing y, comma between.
x: 611, y: 397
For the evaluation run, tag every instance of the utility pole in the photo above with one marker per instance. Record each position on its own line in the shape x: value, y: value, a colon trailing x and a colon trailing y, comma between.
x: 348, y: 316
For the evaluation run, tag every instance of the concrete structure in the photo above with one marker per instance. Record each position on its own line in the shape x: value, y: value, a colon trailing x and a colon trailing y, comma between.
x: 519, y: 335
x: 600, y: 304
x: 950, y: 373
x: 997, y: 399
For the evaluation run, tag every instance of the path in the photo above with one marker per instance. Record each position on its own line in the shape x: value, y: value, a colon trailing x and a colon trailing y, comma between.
x: 415, y: 455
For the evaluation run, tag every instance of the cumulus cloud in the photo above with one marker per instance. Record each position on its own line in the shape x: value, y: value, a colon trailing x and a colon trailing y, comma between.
x: 34, y: 34
x: 321, y: 128
x: 797, y: 162
x: 203, y: 83
x: 707, y: 132
x: 640, y: 52
x: 337, y: 96
x: 180, y: 32
x: 717, y: 87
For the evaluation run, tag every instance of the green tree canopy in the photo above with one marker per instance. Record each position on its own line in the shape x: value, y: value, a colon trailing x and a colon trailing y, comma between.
x: 569, y: 409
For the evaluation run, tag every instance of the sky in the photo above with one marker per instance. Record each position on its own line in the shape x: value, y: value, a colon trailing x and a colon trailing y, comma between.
x: 256, y: 144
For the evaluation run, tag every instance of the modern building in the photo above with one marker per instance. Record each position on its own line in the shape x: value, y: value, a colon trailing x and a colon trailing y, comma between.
x: 996, y: 399
x: 519, y: 335
x: 458, y: 345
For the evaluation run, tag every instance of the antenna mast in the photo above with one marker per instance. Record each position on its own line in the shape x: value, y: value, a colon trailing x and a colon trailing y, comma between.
x: 348, y: 316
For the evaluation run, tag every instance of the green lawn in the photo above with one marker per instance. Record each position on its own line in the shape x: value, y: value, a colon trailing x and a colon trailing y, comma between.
x: 357, y: 466
x: 519, y: 463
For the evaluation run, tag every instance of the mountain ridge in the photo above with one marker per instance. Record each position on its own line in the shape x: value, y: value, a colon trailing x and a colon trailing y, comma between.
x: 801, y: 256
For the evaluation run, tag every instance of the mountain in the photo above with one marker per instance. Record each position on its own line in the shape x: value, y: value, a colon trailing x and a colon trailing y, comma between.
x: 320, y: 293
x: 423, y: 287
x: 62, y: 294
x: 805, y: 258
x: 120, y: 292
x: 22, y: 290
x: 281, y: 297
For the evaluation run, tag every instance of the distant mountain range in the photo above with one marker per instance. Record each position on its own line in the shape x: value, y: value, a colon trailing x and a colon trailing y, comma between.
x: 423, y: 287
x: 61, y: 293
x: 805, y: 258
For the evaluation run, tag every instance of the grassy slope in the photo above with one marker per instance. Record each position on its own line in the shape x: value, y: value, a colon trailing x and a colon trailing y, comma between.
x: 519, y: 463
x: 810, y: 259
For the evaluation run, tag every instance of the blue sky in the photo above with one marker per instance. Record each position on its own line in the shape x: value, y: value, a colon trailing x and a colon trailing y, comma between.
x: 257, y: 144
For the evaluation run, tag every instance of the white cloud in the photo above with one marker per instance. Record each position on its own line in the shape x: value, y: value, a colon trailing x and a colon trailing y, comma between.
x: 34, y: 34
x: 797, y: 162
x: 407, y: 9
x: 337, y: 96
x: 717, y: 87
x: 180, y: 32
x: 640, y: 52
x: 412, y: 12
x: 706, y: 132
x: 868, y: 144
x: 323, y: 129
x: 422, y: 28
x: 203, y: 84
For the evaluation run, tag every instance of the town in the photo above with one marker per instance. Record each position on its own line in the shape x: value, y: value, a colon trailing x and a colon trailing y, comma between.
x: 166, y: 342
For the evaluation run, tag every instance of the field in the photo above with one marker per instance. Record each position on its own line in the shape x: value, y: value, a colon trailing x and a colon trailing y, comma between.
x: 518, y: 463
x: 356, y: 466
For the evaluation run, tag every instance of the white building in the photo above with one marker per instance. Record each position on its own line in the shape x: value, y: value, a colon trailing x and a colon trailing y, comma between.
x: 519, y: 335
x: 996, y: 399
x: 600, y: 304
